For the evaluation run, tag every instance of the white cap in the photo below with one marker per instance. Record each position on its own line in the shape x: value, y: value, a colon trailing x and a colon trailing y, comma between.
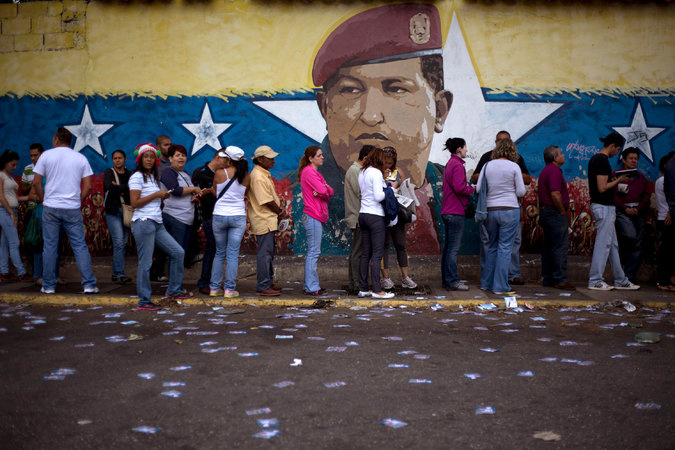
x: 232, y: 152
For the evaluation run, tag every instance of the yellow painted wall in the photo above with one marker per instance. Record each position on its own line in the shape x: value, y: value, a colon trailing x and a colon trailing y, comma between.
x: 223, y: 47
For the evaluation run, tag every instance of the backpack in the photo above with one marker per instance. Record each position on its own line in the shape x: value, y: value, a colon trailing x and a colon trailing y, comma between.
x: 390, y: 204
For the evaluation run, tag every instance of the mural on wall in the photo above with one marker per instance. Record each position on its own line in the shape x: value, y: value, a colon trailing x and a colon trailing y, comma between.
x: 383, y: 77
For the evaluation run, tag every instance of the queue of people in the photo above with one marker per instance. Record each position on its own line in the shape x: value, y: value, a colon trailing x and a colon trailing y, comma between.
x: 161, y: 204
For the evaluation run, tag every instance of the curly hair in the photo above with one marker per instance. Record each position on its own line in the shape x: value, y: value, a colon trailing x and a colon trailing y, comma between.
x: 506, y: 148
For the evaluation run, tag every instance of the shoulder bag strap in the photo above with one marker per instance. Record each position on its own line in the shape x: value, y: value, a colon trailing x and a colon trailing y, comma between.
x: 117, y: 180
x: 227, y: 186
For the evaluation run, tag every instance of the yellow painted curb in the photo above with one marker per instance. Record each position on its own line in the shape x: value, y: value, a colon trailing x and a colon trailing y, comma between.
x: 67, y: 300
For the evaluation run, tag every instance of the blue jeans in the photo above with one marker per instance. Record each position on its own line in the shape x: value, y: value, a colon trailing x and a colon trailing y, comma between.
x: 555, y: 246
x: 179, y: 231
x: 502, y: 226
x: 264, y: 259
x: 314, y: 230
x: 629, y: 230
x: 484, y: 241
x: 70, y: 220
x: 119, y: 235
x: 209, y: 254
x: 454, y: 227
x: 606, y: 246
x: 228, y: 231
x: 9, y: 244
x: 514, y: 265
x: 147, y: 234
x: 514, y: 262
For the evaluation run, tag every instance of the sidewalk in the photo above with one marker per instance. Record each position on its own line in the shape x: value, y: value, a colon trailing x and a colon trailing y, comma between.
x: 333, y: 274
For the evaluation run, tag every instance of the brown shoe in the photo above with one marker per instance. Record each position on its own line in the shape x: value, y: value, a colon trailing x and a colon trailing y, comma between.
x: 205, y: 290
x: 269, y: 292
x: 25, y: 278
x: 566, y: 286
x: 274, y: 287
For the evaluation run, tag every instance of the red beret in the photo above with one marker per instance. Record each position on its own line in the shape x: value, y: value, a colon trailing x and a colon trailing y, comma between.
x: 382, y: 34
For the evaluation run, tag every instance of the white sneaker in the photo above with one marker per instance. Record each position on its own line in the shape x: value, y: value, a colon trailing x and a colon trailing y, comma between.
x: 408, y: 283
x: 387, y: 283
x: 460, y: 287
x: 365, y: 294
x: 628, y: 286
x: 90, y: 290
x: 385, y: 295
x: 230, y: 293
x: 47, y: 291
x: 600, y: 286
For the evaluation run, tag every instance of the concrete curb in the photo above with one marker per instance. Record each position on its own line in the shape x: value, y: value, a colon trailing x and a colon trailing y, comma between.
x: 103, y: 300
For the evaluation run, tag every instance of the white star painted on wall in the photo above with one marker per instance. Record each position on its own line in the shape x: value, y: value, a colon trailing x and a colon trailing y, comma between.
x: 87, y: 133
x: 206, y: 131
x: 471, y: 116
x: 639, y: 134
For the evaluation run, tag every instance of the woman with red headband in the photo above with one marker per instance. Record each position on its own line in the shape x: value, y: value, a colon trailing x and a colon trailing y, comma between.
x: 148, y: 230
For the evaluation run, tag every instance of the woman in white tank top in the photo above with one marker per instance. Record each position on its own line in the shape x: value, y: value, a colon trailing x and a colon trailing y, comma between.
x: 229, y: 220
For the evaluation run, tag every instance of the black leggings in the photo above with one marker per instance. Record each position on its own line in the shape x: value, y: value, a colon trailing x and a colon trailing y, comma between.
x: 373, y: 232
x: 396, y: 234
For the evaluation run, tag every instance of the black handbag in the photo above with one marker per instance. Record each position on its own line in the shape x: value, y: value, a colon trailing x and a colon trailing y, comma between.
x: 469, y: 207
x: 404, y: 215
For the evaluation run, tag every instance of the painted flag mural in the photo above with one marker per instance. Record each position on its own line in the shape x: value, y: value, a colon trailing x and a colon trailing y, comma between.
x: 403, y: 75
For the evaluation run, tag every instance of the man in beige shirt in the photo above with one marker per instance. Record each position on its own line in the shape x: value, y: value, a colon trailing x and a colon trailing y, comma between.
x: 352, y: 207
x: 264, y: 214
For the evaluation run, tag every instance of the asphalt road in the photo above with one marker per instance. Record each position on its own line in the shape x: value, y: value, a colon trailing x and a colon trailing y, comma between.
x: 71, y: 378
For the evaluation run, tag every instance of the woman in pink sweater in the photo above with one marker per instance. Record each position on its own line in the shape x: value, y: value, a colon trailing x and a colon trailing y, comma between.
x: 315, y: 196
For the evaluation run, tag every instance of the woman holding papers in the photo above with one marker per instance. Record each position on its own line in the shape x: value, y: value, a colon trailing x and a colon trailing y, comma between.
x: 395, y: 232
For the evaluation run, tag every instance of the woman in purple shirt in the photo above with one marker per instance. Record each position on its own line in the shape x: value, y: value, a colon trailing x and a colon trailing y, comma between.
x: 456, y: 194
x: 315, y: 195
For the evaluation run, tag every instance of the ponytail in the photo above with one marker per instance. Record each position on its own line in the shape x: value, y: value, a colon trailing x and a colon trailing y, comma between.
x: 310, y: 152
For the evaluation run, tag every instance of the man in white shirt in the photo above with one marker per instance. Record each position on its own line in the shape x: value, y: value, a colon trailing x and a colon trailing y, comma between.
x: 63, y: 170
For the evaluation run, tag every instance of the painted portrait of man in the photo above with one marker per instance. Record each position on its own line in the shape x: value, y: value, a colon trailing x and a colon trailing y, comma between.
x: 380, y: 75
x: 380, y: 80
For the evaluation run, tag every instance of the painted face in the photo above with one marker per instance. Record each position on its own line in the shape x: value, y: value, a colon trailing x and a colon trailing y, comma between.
x: 386, y: 105
x: 148, y: 160
x: 163, y: 146
x: 118, y: 160
x: 178, y: 160
x: 34, y: 155
x: 631, y: 161
x: 317, y: 160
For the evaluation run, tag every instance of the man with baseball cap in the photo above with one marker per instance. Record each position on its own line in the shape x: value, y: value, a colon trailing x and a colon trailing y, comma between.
x: 380, y: 74
x: 264, y: 213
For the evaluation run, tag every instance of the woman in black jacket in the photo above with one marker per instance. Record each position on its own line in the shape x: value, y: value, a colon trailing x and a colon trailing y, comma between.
x: 116, y: 188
